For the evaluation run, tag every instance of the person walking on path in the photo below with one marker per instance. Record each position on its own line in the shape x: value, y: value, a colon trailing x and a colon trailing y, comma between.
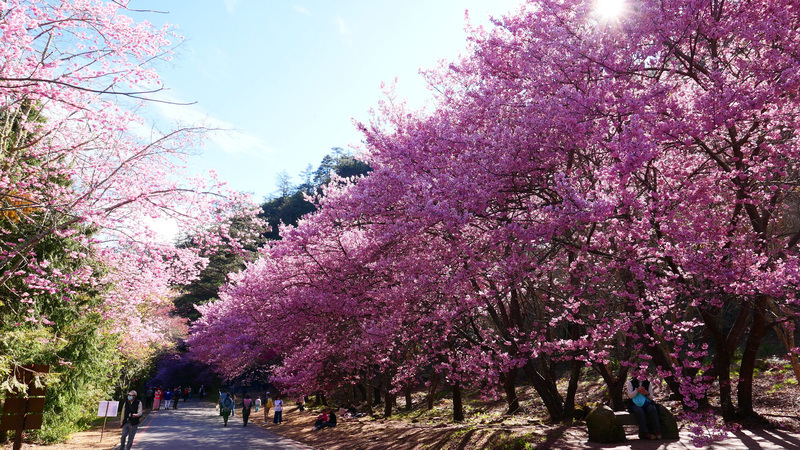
x: 167, y: 399
x: 258, y: 402
x: 247, y: 403
x: 225, y: 407
x: 267, y: 407
x: 278, y: 419
x: 129, y: 420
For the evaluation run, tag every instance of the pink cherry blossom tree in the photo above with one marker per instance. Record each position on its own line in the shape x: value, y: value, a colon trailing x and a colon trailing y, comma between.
x: 581, y: 184
x: 74, y: 164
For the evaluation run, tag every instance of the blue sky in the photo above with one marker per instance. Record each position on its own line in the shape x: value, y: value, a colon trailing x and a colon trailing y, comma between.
x: 287, y: 77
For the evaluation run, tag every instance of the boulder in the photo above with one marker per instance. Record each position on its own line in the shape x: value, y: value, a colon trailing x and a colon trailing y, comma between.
x: 669, y: 425
x: 603, y: 427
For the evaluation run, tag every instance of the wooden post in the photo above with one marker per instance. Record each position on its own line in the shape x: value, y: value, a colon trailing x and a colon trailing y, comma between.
x: 105, y: 417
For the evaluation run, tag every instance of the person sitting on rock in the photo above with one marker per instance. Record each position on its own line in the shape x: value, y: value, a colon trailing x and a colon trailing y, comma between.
x: 640, y: 394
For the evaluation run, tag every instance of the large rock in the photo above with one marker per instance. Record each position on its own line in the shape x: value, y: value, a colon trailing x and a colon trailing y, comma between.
x: 669, y: 425
x: 603, y: 426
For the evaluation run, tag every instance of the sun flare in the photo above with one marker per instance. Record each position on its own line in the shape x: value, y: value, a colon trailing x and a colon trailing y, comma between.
x: 609, y: 9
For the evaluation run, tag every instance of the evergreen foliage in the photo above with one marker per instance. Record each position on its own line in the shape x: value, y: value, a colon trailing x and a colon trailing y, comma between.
x: 288, y: 209
x: 76, y: 344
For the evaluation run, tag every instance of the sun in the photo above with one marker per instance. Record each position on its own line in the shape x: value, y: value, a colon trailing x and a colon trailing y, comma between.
x: 609, y: 9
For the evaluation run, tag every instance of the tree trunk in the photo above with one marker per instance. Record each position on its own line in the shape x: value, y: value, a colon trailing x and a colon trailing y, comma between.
x: 615, y: 384
x: 458, y: 407
x: 432, y: 389
x: 723, y: 360
x: 574, y: 378
x: 725, y: 346
x: 747, y: 369
x: 388, y: 404
x: 368, y: 396
x: 376, y: 388
x: 387, y: 396
x: 409, y: 400
x: 510, y: 386
x: 363, y: 390
x: 547, y: 391
x: 659, y: 358
x: 320, y: 399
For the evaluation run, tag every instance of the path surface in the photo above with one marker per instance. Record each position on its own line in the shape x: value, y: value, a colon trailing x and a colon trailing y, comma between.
x: 578, y: 439
x: 197, y: 425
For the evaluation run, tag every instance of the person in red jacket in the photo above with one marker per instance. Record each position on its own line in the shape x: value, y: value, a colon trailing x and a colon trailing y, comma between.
x: 158, y: 397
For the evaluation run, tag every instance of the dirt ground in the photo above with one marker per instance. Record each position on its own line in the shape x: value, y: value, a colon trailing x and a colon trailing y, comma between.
x: 85, y: 440
x: 378, y: 433
x: 486, y: 427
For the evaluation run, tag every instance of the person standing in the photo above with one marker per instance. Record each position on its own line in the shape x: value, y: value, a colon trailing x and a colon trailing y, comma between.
x: 258, y: 402
x: 226, y: 406
x: 157, y: 401
x: 148, y: 399
x: 167, y: 399
x: 278, y: 419
x: 176, y: 397
x: 247, y: 403
x: 129, y: 420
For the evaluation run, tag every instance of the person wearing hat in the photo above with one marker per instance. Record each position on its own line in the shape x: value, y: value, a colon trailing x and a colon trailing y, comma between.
x: 129, y: 420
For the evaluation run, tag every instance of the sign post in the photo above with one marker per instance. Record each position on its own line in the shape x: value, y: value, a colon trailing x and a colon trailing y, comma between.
x: 24, y: 412
x: 106, y: 410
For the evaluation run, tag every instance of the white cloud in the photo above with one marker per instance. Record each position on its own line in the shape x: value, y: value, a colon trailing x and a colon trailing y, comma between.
x: 302, y: 10
x: 233, y: 141
x: 223, y: 135
x: 343, y: 30
x: 230, y: 5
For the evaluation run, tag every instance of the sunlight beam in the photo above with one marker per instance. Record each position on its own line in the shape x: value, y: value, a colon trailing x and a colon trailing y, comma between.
x: 609, y: 9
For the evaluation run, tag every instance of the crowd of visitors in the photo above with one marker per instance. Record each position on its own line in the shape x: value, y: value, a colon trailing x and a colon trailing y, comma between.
x: 157, y: 398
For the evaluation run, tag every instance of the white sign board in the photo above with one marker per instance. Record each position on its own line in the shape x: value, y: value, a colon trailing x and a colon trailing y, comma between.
x: 107, y: 409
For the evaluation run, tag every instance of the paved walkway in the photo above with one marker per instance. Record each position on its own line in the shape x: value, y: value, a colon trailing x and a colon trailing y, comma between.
x: 577, y: 439
x: 197, y: 425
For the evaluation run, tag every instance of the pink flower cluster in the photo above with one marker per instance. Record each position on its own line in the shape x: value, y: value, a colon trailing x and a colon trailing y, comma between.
x: 73, y: 165
x: 582, y: 190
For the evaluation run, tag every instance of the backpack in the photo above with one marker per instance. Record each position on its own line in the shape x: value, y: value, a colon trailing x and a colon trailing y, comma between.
x: 227, y: 403
x: 247, y: 403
